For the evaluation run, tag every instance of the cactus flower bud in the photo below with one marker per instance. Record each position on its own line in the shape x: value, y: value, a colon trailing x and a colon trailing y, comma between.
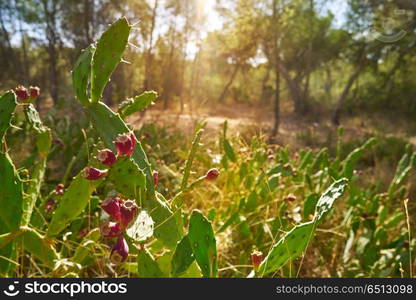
x: 112, y: 207
x: 49, y: 205
x: 212, y: 174
x: 110, y: 229
x: 59, y: 190
x: 155, y: 177
x: 22, y: 93
x: 34, y: 92
x: 256, y: 259
x: 120, y: 251
x: 94, y: 174
x: 125, y: 144
x: 129, y: 211
x: 106, y: 157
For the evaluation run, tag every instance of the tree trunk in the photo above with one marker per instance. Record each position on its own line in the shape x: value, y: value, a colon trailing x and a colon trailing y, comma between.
x: 337, y: 111
x: 229, y: 83
x: 52, y: 37
x: 148, y: 56
x: 294, y: 90
x: 276, y: 71
x: 264, y: 84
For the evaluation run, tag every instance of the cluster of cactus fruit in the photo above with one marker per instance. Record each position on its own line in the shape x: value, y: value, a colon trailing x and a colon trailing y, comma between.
x: 138, y: 205
x: 124, y: 145
x: 122, y: 213
x: 25, y: 95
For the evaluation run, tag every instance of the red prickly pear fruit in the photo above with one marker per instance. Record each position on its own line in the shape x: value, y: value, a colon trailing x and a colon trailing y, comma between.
x: 94, y: 174
x: 22, y: 93
x: 49, y: 205
x: 129, y: 211
x: 34, y: 92
x: 112, y: 207
x: 125, y: 144
x: 110, y: 229
x: 256, y: 259
x: 155, y: 177
x: 212, y: 174
x: 120, y: 251
x: 59, y: 190
x: 106, y: 157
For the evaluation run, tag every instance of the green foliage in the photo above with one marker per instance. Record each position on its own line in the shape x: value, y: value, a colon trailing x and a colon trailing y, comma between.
x: 39, y: 247
x: 107, y: 55
x: 81, y: 75
x: 328, y: 198
x: 128, y: 178
x: 138, y: 103
x: 182, y: 258
x: 203, y: 244
x: 84, y: 250
x: 147, y: 266
x: 11, y: 194
x: 295, y: 242
x: 72, y: 204
x: 289, y: 247
x: 7, y: 106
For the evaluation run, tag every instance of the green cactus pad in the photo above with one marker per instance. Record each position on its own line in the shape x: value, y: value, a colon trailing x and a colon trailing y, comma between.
x: 137, y: 103
x: 351, y: 160
x: 166, y: 226
x: 11, y: 196
x: 7, y: 249
x: 33, y: 186
x: 202, y: 240
x: 85, y: 247
x: 293, y: 243
x: 110, y: 48
x: 147, y: 267
x: 182, y: 258
x: 81, y: 74
x: 39, y: 247
x: 7, y: 107
x: 289, y: 247
x: 328, y: 198
x: 72, y: 203
x: 33, y: 118
x: 128, y: 178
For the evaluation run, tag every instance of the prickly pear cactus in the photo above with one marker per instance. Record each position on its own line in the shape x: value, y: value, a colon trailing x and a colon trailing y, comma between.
x: 203, y: 244
x: 81, y: 75
x: 290, y: 246
x: 147, y: 267
x: 325, y: 203
x: 11, y: 194
x: 128, y: 178
x: 182, y: 258
x: 84, y: 249
x: 43, y: 145
x: 109, y: 124
x: 108, y: 55
x: 294, y: 243
x: 7, y: 107
x: 137, y: 103
x: 72, y: 203
x: 39, y: 247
